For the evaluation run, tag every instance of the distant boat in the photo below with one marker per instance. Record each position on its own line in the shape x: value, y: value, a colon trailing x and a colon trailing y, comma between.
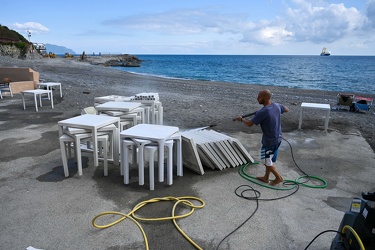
x: 325, y: 52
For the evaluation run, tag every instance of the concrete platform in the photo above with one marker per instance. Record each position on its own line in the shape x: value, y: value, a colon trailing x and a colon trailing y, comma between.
x: 43, y: 209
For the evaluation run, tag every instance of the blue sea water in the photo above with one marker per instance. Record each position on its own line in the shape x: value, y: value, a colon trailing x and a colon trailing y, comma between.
x: 335, y: 73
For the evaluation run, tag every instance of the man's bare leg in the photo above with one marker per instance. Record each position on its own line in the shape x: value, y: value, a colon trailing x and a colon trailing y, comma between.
x: 266, y: 176
x: 278, y: 177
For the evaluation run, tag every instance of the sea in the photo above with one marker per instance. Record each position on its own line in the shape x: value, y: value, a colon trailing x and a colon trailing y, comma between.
x: 349, y: 74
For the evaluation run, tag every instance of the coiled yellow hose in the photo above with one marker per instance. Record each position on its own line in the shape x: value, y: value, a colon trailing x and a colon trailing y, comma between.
x: 183, y: 200
x: 355, y: 235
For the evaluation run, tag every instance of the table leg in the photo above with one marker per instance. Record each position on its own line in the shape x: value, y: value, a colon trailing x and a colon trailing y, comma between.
x: 36, y: 103
x: 116, y: 151
x: 64, y: 158
x: 300, y: 118
x: 161, y: 160
x: 125, y: 161
x: 160, y: 115
x: 179, y: 156
x: 51, y: 100
x: 327, y: 119
x: 49, y: 94
x: 60, y: 90
x: 141, y: 169
x: 95, y: 145
x: 153, y: 114
x: 78, y: 156
x: 23, y: 101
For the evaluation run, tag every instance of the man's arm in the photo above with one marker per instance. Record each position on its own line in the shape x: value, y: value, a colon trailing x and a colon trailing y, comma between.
x: 247, y: 122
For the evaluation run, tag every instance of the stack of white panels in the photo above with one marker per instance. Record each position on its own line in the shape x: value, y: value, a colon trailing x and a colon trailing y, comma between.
x: 212, y: 149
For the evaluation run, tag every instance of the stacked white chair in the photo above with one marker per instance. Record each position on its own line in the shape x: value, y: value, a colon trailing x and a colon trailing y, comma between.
x: 65, y: 144
x: 151, y: 149
x: 143, y: 148
x: 81, y: 139
x: 135, y: 145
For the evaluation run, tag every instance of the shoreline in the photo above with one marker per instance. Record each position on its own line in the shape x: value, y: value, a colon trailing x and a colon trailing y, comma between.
x: 191, y: 103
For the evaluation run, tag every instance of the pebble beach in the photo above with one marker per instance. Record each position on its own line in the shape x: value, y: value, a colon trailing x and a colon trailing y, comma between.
x: 189, y: 103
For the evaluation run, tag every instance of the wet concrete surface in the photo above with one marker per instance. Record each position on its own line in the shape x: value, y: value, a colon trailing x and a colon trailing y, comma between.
x: 43, y: 209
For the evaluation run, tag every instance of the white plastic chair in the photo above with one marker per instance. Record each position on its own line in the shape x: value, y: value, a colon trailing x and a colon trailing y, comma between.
x: 110, y: 130
x: 82, y: 139
x: 136, y: 144
x: 150, y: 150
x: 89, y: 110
x: 145, y: 147
x: 168, y: 144
x: 65, y: 145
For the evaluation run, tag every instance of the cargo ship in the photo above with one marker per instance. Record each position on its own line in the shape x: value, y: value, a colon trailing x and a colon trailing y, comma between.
x: 325, y: 52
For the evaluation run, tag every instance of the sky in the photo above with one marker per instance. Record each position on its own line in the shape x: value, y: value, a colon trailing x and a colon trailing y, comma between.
x: 222, y: 27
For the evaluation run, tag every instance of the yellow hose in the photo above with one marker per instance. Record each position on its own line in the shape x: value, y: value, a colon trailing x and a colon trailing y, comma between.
x: 355, y: 235
x: 183, y: 200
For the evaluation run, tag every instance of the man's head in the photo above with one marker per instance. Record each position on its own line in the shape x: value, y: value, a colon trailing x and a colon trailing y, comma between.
x: 264, y: 97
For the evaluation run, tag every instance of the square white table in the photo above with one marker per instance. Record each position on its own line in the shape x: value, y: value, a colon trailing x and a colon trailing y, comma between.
x: 50, y: 85
x: 36, y: 93
x: 321, y: 106
x: 118, y: 106
x: 121, y: 108
x: 158, y: 133
x: 93, y: 123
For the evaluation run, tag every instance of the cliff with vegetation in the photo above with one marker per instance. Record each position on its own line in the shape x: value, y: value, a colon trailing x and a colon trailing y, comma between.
x: 14, y: 44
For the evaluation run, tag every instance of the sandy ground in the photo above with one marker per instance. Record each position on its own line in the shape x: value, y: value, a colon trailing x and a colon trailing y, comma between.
x: 42, y: 208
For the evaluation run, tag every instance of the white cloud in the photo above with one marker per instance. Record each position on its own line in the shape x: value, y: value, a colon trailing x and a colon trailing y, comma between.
x: 267, y: 35
x: 188, y: 21
x: 325, y: 23
x: 316, y: 22
x: 32, y: 27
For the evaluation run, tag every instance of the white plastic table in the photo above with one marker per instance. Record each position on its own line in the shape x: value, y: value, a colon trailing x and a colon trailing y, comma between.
x: 36, y: 93
x: 158, y: 133
x: 118, y: 106
x: 121, y: 108
x: 321, y: 106
x: 93, y: 122
x: 50, y: 85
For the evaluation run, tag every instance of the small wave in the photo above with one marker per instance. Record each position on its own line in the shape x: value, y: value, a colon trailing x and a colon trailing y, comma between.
x: 162, y: 76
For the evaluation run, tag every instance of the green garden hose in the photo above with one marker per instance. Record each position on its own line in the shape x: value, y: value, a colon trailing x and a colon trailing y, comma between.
x: 290, y: 183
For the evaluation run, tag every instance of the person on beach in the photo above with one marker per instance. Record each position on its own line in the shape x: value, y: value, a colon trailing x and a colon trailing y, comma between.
x: 269, y: 118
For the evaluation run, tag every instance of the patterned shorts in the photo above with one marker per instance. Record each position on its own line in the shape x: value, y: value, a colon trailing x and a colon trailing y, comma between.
x: 269, y: 154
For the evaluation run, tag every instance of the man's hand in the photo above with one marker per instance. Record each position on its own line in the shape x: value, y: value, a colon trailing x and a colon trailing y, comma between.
x: 238, y: 118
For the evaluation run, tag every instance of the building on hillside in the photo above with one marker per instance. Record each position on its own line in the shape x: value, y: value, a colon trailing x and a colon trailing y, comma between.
x: 41, y: 48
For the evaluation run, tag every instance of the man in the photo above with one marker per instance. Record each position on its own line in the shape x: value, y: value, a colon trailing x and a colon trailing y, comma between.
x: 269, y: 118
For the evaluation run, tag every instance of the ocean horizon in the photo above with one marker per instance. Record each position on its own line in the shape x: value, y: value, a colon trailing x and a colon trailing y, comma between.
x: 333, y: 73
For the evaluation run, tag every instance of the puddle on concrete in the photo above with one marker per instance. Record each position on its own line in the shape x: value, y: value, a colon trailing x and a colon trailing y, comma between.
x: 57, y: 173
x: 339, y: 203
